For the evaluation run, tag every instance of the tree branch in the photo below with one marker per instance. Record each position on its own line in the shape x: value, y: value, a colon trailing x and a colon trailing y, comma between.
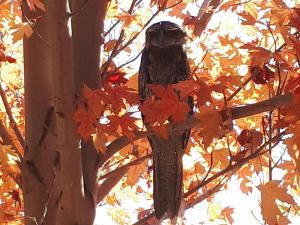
x: 237, y: 113
x: 126, y: 166
x: 7, y: 139
x: 205, y: 17
x: 12, y: 120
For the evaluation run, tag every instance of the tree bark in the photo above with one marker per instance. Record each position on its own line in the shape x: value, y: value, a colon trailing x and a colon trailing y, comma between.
x: 40, y: 151
x: 88, y: 27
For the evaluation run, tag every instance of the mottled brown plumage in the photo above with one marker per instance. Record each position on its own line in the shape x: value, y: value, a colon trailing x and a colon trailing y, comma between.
x: 164, y: 62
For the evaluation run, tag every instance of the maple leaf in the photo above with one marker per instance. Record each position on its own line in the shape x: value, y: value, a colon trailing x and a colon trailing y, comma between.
x: 227, y: 214
x: 117, y: 96
x: 134, y: 172
x: 86, y: 122
x: 5, y: 58
x: 259, y: 55
x: 22, y: 29
x: 99, y: 140
x: 36, y: 3
x: 210, y: 121
x: 250, y: 139
x: 161, y: 131
x: 293, y: 144
x: 126, y: 123
x: 261, y: 75
x: 168, y: 105
x: 95, y: 100
x: 296, y: 95
x: 186, y: 88
x: 117, y: 78
x: 203, y: 92
x: 269, y: 193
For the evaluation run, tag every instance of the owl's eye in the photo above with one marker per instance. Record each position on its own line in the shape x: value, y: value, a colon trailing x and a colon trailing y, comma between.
x: 152, y: 32
x: 174, y: 32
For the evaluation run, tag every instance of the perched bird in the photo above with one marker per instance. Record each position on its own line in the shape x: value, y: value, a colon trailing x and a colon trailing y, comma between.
x: 164, y: 62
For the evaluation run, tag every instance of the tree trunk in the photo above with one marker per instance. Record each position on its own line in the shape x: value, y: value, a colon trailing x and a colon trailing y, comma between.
x: 40, y: 152
x: 59, y: 178
x: 87, y: 28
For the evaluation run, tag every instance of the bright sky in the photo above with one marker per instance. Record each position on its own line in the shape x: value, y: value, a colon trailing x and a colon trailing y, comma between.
x: 247, y: 207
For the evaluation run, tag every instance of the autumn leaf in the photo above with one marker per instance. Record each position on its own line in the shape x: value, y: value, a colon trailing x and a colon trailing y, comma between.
x: 210, y: 121
x: 117, y: 78
x: 99, y: 140
x: 270, y: 192
x: 22, y: 29
x: 126, y: 123
x: 95, y: 100
x: 134, y: 172
x: 168, y: 105
x: 250, y: 139
x: 36, y: 3
x: 118, y: 96
x: 186, y: 88
x: 8, y: 160
x: 86, y: 123
x: 259, y: 55
x: 161, y: 131
x: 227, y: 214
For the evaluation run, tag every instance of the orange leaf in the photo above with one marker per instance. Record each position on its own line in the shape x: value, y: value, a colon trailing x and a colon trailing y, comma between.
x: 227, y: 214
x: 22, y: 29
x: 250, y: 139
x: 186, y: 88
x: 210, y: 121
x: 161, y: 131
x: 134, y: 172
x: 86, y: 123
x: 36, y: 3
x: 167, y: 106
x: 99, y: 140
x: 269, y: 193
x: 95, y: 100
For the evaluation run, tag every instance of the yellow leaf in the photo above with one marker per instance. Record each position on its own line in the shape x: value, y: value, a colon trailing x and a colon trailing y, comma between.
x: 214, y: 211
x: 22, y: 29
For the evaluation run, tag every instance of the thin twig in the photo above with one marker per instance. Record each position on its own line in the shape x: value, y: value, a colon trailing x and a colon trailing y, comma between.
x: 12, y: 120
x: 241, y: 87
x: 132, y: 163
x: 7, y: 139
x: 29, y: 21
x: 239, y: 164
x: 115, y: 50
x: 280, y: 158
x: 111, y: 28
x: 230, y: 168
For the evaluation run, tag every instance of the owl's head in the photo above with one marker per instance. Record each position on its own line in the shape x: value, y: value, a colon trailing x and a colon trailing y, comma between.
x: 164, y: 34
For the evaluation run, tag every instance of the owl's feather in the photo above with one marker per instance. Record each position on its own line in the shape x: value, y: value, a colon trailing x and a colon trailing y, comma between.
x: 163, y: 65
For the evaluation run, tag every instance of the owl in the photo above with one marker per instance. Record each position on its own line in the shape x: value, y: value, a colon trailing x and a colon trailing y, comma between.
x: 164, y: 62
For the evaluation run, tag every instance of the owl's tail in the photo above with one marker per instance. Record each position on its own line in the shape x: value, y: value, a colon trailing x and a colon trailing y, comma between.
x: 168, y: 173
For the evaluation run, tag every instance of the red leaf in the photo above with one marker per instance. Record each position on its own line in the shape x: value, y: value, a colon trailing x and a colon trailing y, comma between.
x: 117, y: 78
x: 261, y: 75
x: 10, y: 59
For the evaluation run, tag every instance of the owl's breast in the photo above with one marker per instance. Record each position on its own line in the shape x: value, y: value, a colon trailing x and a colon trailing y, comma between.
x: 167, y: 65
